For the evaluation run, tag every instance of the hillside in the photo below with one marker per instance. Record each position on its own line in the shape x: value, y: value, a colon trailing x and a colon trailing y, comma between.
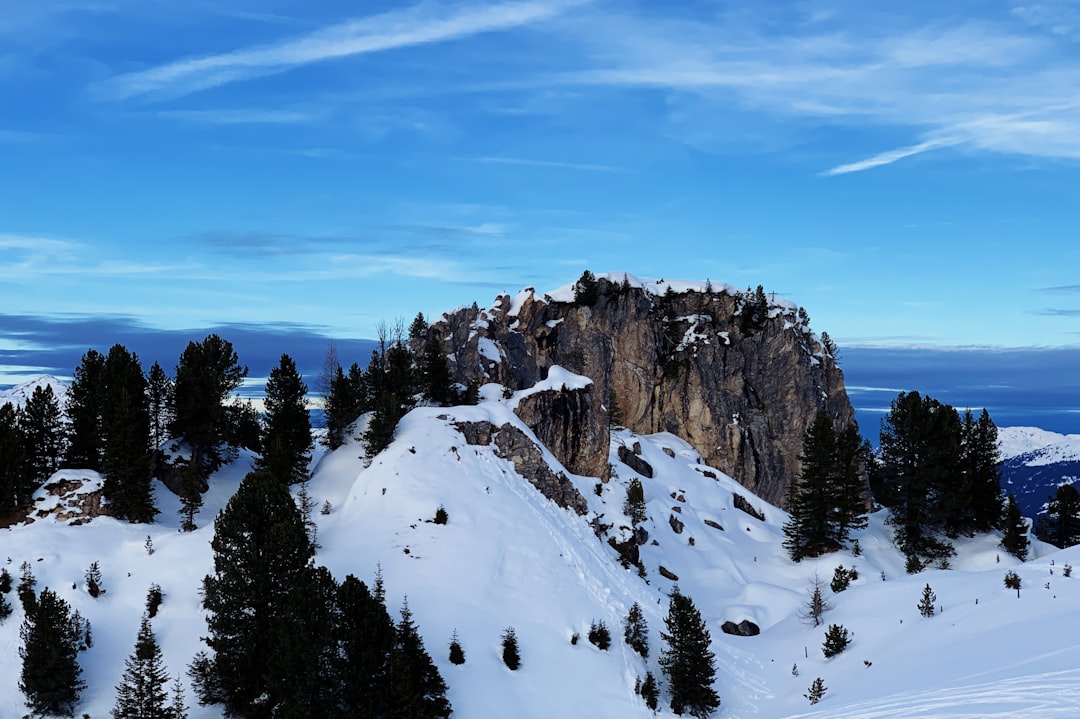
x: 510, y: 557
x: 1035, y: 463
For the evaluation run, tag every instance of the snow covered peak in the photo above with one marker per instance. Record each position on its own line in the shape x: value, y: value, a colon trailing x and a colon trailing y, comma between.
x: 1045, y: 447
x: 18, y: 394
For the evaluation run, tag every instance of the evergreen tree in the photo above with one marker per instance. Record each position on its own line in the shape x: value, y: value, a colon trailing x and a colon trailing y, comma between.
x: 808, y: 531
x: 25, y: 590
x: 650, y: 691
x: 600, y: 635
x: 366, y: 637
x: 418, y: 329
x: 926, y: 603
x: 849, y: 487
x: 178, y: 707
x: 85, y: 400
x: 5, y: 580
x: 159, y: 399
x: 815, y: 605
x: 286, y: 437
x: 586, y: 290
x: 1015, y: 540
x: 390, y: 383
x: 837, y: 640
x: 51, y: 676
x: 1062, y: 524
x: 191, y: 488
x: 141, y: 693
x: 435, y: 372
x: 511, y: 654
x: 457, y: 654
x: 634, y: 505
x: 206, y: 375
x: 636, y: 630
x: 687, y: 661
x: 39, y: 421
x: 416, y: 687
x: 93, y: 580
x: 816, y: 691
x: 337, y: 409
x: 973, y: 501
x: 125, y: 425
x: 5, y: 608
x: 16, y: 485
x: 260, y: 552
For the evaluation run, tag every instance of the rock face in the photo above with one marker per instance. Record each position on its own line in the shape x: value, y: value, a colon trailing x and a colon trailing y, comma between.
x: 513, y: 444
x: 691, y: 363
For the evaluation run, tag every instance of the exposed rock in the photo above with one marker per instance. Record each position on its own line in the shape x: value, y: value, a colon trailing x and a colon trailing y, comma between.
x: 714, y: 525
x: 568, y: 422
x: 742, y: 394
x: 745, y: 628
x: 668, y: 574
x: 676, y: 524
x: 743, y: 504
x: 669, y: 452
x: 634, y: 462
x: 513, y: 444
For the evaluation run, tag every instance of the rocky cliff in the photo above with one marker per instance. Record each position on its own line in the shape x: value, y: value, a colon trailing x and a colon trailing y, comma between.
x: 738, y: 376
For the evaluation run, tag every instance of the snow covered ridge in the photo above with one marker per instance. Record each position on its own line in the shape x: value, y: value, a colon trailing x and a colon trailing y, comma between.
x: 18, y: 394
x: 508, y: 557
x: 1037, y: 447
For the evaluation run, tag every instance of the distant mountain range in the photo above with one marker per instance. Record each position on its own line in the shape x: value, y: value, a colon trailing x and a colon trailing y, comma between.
x: 18, y: 394
x: 1035, y: 463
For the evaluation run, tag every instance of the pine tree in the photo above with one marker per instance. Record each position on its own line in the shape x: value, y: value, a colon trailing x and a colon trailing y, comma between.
x: 159, y: 400
x: 93, y: 580
x: 687, y: 661
x: 39, y: 421
x: 1015, y: 540
x: 634, y: 505
x: 511, y: 654
x: 51, y: 676
x: 206, y: 375
x: 286, y: 437
x: 16, y: 485
x: 650, y: 691
x: 586, y: 290
x: 125, y: 428
x: 435, y: 372
x: 636, y: 630
x: 836, y: 641
x: 815, y: 605
x: 191, y: 500
x: 177, y: 707
x: 816, y: 691
x: 810, y: 500
x: 154, y: 599
x: 260, y: 550
x: 366, y: 637
x: 417, y: 689
x: 926, y: 604
x: 600, y: 635
x: 1062, y: 524
x: 25, y: 589
x: 5, y: 580
x: 141, y: 693
x: 5, y: 608
x: 457, y: 654
x: 85, y: 400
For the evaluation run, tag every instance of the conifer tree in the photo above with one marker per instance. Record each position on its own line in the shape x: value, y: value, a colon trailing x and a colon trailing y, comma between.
x: 926, y: 603
x: 286, y: 436
x: 634, y: 505
x: 5, y: 608
x: 39, y: 421
x: 416, y: 687
x: 16, y: 485
x: 1062, y: 524
x: 816, y: 691
x: 810, y: 502
x: 815, y: 605
x: 435, y: 372
x: 337, y: 408
x: 206, y: 375
x: 600, y: 635
x: 159, y: 399
x: 51, y: 678
x: 586, y: 290
x: 178, y: 706
x: 687, y: 661
x: 125, y: 427
x: 1015, y: 540
x: 837, y: 640
x: 457, y: 654
x: 260, y: 551
x: 84, y: 404
x: 511, y: 654
x: 141, y: 693
x: 650, y: 691
x: 636, y: 630
x: 5, y: 580
x: 366, y: 637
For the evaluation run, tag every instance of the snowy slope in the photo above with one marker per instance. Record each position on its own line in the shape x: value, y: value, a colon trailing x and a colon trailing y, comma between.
x: 18, y: 394
x: 1035, y: 463
x: 509, y: 557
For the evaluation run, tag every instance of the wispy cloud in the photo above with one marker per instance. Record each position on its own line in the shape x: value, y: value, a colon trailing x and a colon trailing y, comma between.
x: 554, y: 164
x: 1061, y: 289
x: 887, y: 158
x: 1059, y: 312
x: 242, y: 116
x: 419, y: 25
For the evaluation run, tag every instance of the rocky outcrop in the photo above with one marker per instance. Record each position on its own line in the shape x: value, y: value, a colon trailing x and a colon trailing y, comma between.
x: 741, y: 389
x: 745, y: 628
x: 513, y: 444
x: 635, y: 462
x: 568, y: 422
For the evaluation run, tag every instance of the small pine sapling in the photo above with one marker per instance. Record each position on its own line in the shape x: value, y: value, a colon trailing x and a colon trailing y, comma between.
x: 5, y: 581
x: 841, y: 580
x: 913, y: 565
x: 25, y: 588
x: 650, y: 691
x: 1012, y: 580
x: 794, y: 670
x: 815, y: 604
x: 326, y: 508
x: 457, y: 654
x: 149, y: 544
x: 816, y: 691
x: 510, y: 653
x: 93, y: 580
x: 926, y: 604
x: 1067, y: 570
x: 599, y: 636
x: 837, y: 640
x: 178, y: 708
x: 441, y: 517
x: 856, y: 548
x: 153, y: 600
x: 636, y: 631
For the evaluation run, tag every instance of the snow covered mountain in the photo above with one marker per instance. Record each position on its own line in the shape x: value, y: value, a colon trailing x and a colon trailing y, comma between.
x: 18, y: 394
x: 508, y: 556
x: 1035, y: 463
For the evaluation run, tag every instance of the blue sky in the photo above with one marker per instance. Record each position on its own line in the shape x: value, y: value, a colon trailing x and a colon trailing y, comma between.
x: 906, y: 171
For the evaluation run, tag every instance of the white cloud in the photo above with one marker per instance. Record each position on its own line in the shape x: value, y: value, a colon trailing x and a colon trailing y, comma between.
x: 242, y: 116
x: 419, y: 25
